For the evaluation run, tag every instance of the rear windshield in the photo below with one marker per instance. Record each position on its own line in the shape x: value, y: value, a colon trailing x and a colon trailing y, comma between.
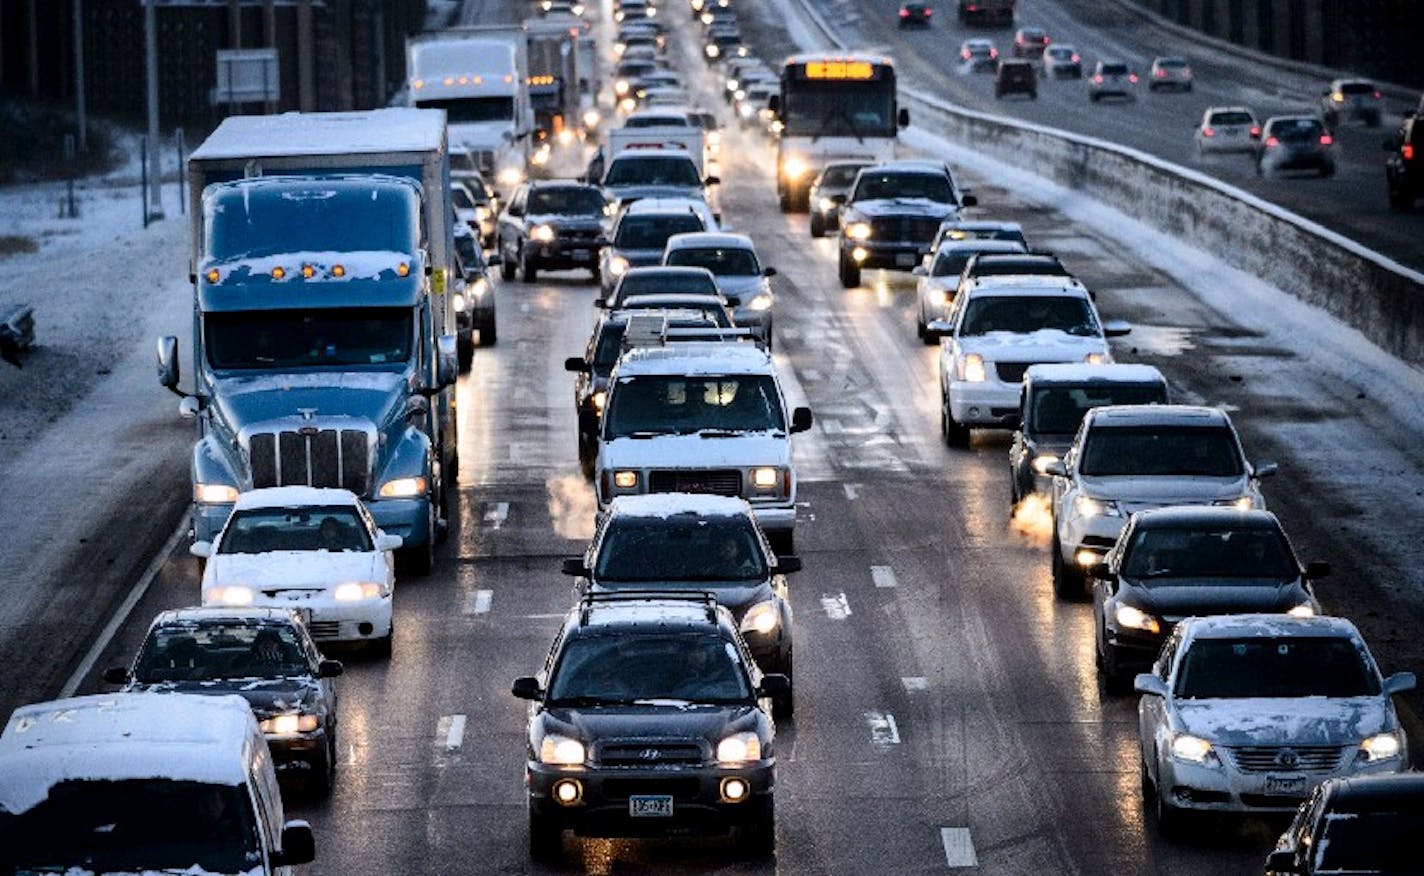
x: 653, y: 171
x: 570, y: 201
x: 681, y: 548
x: 721, y: 261
x: 1162, y: 553
x: 1357, y: 88
x: 716, y: 314
x: 1172, y: 451
x: 1058, y: 410
x: 1231, y: 118
x: 840, y: 176
x: 1173, y: 63
x: 1296, y: 129
x: 669, y: 121
x: 1023, y: 315
x: 1002, y: 267
x: 634, y: 284
x: 1115, y: 69
x: 1268, y: 667
x: 652, y: 231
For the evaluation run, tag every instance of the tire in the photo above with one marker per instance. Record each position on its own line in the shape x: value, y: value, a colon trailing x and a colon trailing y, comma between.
x: 1149, y: 791
x: 783, y: 708
x: 322, y: 775
x: 1170, y: 819
x: 465, y: 348
x: 1115, y: 681
x: 529, y: 268
x: 758, y: 837
x: 506, y: 266
x: 783, y: 201
x: 587, y: 454
x: 489, y: 333
x: 1372, y: 121
x: 1066, y: 583
x: 955, y: 435
x: 546, y: 839
x: 849, y: 273
x: 818, y: 225
x: 596, y: 274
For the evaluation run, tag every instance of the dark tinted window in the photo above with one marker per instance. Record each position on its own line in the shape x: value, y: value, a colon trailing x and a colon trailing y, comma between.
x: 840, y: 176
x: 1383, y: 841
x: 1163, y: 553
x: 680, y: 548
x: 570, y: 201
x: 1058, y: 410
x: 463, y: 110
x: 653, y: 171
x: 262, y: 530
x: 634, y: 666
x: 653, y: 230
x: 1026, y: 314
x: 934, y: 187
x: 634, y: 283
x: 1231, y: 118
x: 1297, y: 666
x: 657, y: 122
x: 1001, y: 266
x: 210, y: 651
x: 659, y: 405
x: 1204, y: 451
x: 1114, y: 70
x: 1296, y: 129
x: 1357, y: 88
x: 326, y: 337
x: 721, y: 261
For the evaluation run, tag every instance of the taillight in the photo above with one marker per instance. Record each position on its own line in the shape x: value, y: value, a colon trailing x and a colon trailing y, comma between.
x: 1208, y: 132
x: 964, y: 54
x: 1408, y: 151
x: 929, y: 12
x: 1272, y: 141
x: 1077, y: 58
x: 1255, y: 130
x: 1098, y: 78
x: 1160, y: 74
x: 1377, y: 95
x: 993, y: 53
x: 1326, y: 140
x: 1132, y: 77
x: 904, y: 13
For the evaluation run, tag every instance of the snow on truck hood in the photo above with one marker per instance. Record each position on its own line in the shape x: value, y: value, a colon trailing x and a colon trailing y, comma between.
x: 1295, y: 721
x: 1164, y: 490
x: 697, y: 452
x: 294, y: 569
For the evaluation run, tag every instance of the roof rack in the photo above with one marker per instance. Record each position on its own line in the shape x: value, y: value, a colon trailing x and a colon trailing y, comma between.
x: 655, y: 329
x: 703, y: 597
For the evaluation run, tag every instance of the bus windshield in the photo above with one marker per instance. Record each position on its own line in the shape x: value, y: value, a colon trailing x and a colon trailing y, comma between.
x: 839, y: 108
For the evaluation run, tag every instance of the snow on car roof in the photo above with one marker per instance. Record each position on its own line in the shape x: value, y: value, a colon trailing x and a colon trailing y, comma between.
x: 1207, y: 515
x: 1080, y: 372
x: 217, y: 613
x: 113, y: 737
x: 393, y: 129
x: 670, y: 504
x: 1249, y: 626
x: 720, y: 239
x: 694, y: 358
x: 1025, y: 284
x: 666, y: 270
x: 289, y: 497
x: 1156, y: 415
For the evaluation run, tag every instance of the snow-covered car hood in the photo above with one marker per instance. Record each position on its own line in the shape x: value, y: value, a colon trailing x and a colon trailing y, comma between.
x: 741, y: 289
x: 877, y: 207
x: 294, y: 569
x: 267, y: 696
x: 1137, y: 493
x: 696, y: 452
x: 1296, y: 721
x: 1040, y: 347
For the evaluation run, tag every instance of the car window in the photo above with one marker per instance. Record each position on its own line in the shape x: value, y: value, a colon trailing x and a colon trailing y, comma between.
x: 1296, y: 129
x: 721, y: 261
x: 839, y: 176
x: 568, y: 201
x: 1165, y: 553
x: 876, y: 186
x: 681, y: 548
x: 715, y: 313
x: 1002, y: 267
x: 1027, y: 314
x: 1058, y: 410
x: 658, y: 404
x: 653, y: 171
x: 949, y: 264
x: 211, y: 651
x: 633, y: 284
x: 1357, y: 88
x: 1271, y: 667
x: 1114, y: 69
x: 632, y: 667
x: 1230, y: 118
x: 263, y: 530
x: 1203, y: 451
x: 652, y: 231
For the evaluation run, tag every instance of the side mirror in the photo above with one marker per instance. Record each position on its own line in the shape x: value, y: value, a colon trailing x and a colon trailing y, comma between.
x: 116, y: 675
x: 1116, y: 328
x: 801, y: 420
x: 388, y: 542
x: 774, y: 685
x: 527, y: 688
x: 1149, y: 684
x: 601, y: 303
x: 329, y: 668
x: 1265, y: 469
x: 190, y: 407
x: 969, y: 201
x: 903, y: 118
x: 201, y: 549
x: 447, y: 361
x: 768, y: 272
x: 415, y: 408
x: 1282, y: 861
x: 838, y: 199
x: 1398, y: 683
x: 1100, y: 570
x: 1056, y: 468
x: 298, y: 845
x: 576, y: 364
x: 941, y: 326
x: 1315, y: 570
x: 787, y: 565
x: 574, y: 566
x: 168, y: 370
x: 712, y: 181
x: 773, y: 103
x: 920, y: 271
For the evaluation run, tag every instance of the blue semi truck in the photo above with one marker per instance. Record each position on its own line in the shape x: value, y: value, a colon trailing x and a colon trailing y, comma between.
x: 323, y: 345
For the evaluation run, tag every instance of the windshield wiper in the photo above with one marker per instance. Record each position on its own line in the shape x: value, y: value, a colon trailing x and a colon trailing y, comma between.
x: 575, y: 702
x: 722, y: 433
x: 642, y: 433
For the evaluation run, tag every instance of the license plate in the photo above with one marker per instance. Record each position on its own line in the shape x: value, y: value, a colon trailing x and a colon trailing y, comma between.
x: 1286, y: 786
x: 579, y: 254
x: 650, y: 806
x: 906, y: 259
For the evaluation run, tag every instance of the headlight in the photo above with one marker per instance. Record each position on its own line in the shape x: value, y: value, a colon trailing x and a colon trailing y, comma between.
x: 1383, y: 746
x: 616, y: 266
x: 403, y: 488
x: 1042, y: 461
x: 482, y: 213
x: 600, y: 398
x: 355, y: 591
x: 761, y: 302
x: 458, y: 301
x: 713, y: 50
x: 628, y: 104
x: 1136, y: 619
x: 591, y: 118
x: 826, y: 205
x: 233, y: 594
x: 1097, y: 358
x: 765, y: 478
x: 1193, y: 749
x: 1305, y: 609
x: 214, y: 494
x: 625, y: 480
x: 746, y: 110
x: 542, y: 233
x: 795, y: 167
x: 1245, y: 503
x: 733, y: 84
x: 761, y: 618
x: 620, y: 87
x: 714, y: 138
x: 858, y: 230
x: 479, y: 287
x: 974, y: 371
x: 1087, y: 506
x: 510, y: 176
x: 561, y: 750
x: 289, y: 725
x: 739, y: 748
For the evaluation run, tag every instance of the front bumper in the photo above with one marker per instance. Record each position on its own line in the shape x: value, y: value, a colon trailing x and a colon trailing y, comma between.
x: 775, y: 518
x: 988, y: 403
x: 898, y: 255
x: 1224, y: 788
x: 564, y: 254
x: 298, y: 752
x: 408, y: 518
x: 759, y: 321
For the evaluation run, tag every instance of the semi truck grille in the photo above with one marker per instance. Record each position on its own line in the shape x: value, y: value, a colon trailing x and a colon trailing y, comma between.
x: 650, y: 754
x: 726, y: 482
x: 1292, y: 758
x: 311, y: 457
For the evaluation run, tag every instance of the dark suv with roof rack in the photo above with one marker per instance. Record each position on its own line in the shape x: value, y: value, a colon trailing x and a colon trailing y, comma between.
x: 650, y: 717
x: 892, y: 213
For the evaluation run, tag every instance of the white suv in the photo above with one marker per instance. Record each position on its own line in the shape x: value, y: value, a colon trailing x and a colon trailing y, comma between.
x: 701, y: 417
x: 999, y: 327
x: 1128, y: 458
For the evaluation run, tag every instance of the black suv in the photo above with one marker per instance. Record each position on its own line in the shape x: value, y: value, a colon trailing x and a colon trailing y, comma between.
x: 1404, y: 168
x: 551, y: 224
x: 1016, y: 76
x: 650, y: 718
x: 892, y: 213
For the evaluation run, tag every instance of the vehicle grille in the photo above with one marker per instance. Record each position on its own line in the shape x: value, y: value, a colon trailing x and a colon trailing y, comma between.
x: 311, y: 457
x: 650, y: 754
x: 324, y: 629
x: 918, y: 229
x: 688, y: 788
x: 722, y: 482
x: 588, y: 234
x: 1011, y: 372
x: 1287, y: 759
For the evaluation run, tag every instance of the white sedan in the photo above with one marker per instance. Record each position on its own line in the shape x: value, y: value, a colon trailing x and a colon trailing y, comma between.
x: 1227, y: 129
x: 313, y: 550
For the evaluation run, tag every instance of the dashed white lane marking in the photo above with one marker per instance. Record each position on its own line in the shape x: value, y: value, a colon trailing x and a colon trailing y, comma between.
x: 451, y: 728
x: 958, y: 847
x: 496, y: 513
x: 830, y: 427
x: 852, y: 491
x: 883, y: 730
x: 479, y: 602
x: 883, y: 576
x: 914, y: 683
x: 837, y: 606
x: 812, y: 375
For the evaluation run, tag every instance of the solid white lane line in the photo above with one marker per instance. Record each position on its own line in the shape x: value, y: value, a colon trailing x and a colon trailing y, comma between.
x: 913, y: 683
x: 883, y: 576
x: 852, y: 491
x: 451, y: 728
x: 958, y: 847
x: 479, y: 602
x: 836, y: 606
x: 883, y: 729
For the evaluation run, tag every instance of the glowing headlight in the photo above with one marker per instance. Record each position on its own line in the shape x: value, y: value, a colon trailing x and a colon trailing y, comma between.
x: 561, y: 750
x: 713, y: 50
x: 566, y: 137
x: 1305, y: 609
x: 761, y: 618
x: 1097, y: 358
x: 940, y: 297
x: 625, y: 480
x: 458, y: 301
x: 234, y: 594
x: 577, y: 9
x: 858, y: 230
x: 974, y: 371
x: 479, y: 287
x: 760, y: 302
x: 714, y: 138
x: 1043, y: 461
x: 482, y: 213
x: 1136, y: 619
x: 860, y: 254
x: 628, y: 104
x: 1089, y: 507
x: 403, y: 488
x: 600, y: 399
x: 826, y: 205
x: 1192, y: 748
x: 289, y: 725
x: 739, y: 748
x: 1381, y: 747
x: 355, y: 591
x: 510, y: 176
x: 542, y: 233
x: 1244, y: 503
x: 591, y: 118
x: 540, y: 156
x: 739, y: 93
x: 746, y: 110
x: 765, y: 478
x: 795, y: 167
x: 616, y: 266
x: 620, y: 87
x: 214, y: 494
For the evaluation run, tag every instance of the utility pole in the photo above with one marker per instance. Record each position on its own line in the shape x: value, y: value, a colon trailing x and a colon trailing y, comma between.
x: 155, y: 166
x: 79, y: 76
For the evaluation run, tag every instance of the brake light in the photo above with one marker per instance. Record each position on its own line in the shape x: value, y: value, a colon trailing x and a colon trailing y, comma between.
x: 1326, y: 140
x: 1098, y: 78
x: 1046, y: 41
x: 1208, y: 132
x: 1076, y: 58
x: 993, y: 53
x: 1132, y: 77
x: 1160, y: 74
x: 964, y: 53
x: 1255, y: 130
x: 904, y: 13
x: 1408, y: 151
x: 1272, y: 141
x: 929, y: 12
x: 1377, y: 95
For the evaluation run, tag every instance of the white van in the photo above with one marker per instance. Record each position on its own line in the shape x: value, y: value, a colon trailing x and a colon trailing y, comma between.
x: 140, y: 782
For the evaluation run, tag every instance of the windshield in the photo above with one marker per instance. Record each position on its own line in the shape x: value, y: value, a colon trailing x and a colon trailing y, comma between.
x: 1295, y: 666
x: 1058, y: 410
x: 1171, y: 451
x: 1023, y: 315
x: 569, y: 201
x: 630, y: 666
x: 1381, y: 840
x: 1231, y: 118
x: 1209, y: 553
x: 652, y: 171
x: 668, y: 121
x: 256, y: 221
x: 839, y: 176
x: 721, y: 261
x: 471, y: 256
x: 211, y: 651
x: 262, y: 530
x: 839, y: 108
x: 467, y: 110
x: 634, y: 283
x: 131, y: 826
x: 268, y: 339
x: 652, y: 231
x: 875, y: 186
x: 660, y: 405
x: 715, y: 313
x: 684, y: 547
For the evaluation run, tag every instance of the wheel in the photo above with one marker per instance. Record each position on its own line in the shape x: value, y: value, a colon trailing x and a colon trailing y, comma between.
x: 506, y: 267
x: 1066, y: 582
x: 587, y: 454
x: 1372, y: 120
x: 465, y: 347
x: 1260, y: 170
x: 783, y: 708
x: 920, y: 328
x: 489, y: 333
x: 1169, y: 818
x: 1115, y: 680
x: 382, y: 647
x: 759, y: 836
x: 955, y: 435
x: 529, y: 268
x: 818, y: 225
x: 850, y: 273
x: 596, y: 274
x: 322, y: 774
x: 546, y: 839
x: 1145, y: 781
x: 1189, y: 88
x: 783, y: 201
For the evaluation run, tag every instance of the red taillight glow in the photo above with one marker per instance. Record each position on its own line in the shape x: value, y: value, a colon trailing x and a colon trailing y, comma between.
x: 1272, y: 141
x: 1255, y: 130
x: 1326, y: 139
x: 1160, y: 74
x: 1077, y: 58
x: 1098, y: 78
x: 1377, y: 95
x: 904, y: 13
x: 1208, y: 132
x: 964, y: 53
x: 1408, y: 151
x: 1132, y: 77
x: 993, y: 53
